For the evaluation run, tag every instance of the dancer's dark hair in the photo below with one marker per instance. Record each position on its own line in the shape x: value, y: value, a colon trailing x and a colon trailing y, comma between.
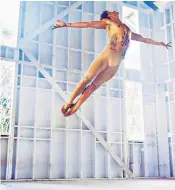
x: 104, y: 15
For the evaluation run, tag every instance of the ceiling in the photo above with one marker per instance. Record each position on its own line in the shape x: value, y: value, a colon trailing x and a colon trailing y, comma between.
x: 154, y: 5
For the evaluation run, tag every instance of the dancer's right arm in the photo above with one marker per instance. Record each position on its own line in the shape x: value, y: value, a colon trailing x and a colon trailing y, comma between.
x: 93, y: 24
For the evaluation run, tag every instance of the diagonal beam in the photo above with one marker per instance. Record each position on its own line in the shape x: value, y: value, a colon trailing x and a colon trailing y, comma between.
x: 51, y: 22
x: 79, y: 114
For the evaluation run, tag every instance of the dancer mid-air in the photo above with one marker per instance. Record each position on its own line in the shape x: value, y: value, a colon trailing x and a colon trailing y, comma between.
x: 105, y: 66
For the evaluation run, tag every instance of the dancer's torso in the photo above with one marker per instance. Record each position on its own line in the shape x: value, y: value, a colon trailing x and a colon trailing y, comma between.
x: 119, y: 36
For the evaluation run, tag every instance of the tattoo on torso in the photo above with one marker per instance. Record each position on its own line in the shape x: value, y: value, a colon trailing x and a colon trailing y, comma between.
x: 108, y: 27
x: 125, y: 39
x: 113, y: 39
x: 115, y: 43
x: 124, y: 42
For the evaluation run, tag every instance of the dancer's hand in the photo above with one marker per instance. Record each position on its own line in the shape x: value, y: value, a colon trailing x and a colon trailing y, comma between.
x: 59, y: 24
x: 166, y: 45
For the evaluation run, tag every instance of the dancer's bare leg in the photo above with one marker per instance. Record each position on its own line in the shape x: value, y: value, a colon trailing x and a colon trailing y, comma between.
x: 104, y: 76
x: 96, y: 67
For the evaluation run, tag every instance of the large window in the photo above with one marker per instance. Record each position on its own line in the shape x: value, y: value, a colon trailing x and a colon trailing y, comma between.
x: 133, y: 90
x: 130, y: 17
x: 132, y: 60
x: 9, y: 14
x: 6, y: 94
x: 134, y: 111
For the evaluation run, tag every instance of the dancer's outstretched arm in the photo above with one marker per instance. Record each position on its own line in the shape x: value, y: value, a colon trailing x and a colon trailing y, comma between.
x: 138, y: 37
x: 93, y: 24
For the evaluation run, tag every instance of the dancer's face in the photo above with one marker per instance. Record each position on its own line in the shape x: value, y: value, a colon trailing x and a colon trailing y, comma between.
x: 113, y: 14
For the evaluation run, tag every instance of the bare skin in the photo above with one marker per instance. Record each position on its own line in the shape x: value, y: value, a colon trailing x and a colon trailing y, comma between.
x: 105, y: 66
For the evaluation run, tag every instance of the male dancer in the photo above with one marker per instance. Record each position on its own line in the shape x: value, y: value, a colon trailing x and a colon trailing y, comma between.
x: 105, y: 66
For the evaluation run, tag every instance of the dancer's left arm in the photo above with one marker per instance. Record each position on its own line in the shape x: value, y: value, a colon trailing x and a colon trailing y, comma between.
x: 140, y: 38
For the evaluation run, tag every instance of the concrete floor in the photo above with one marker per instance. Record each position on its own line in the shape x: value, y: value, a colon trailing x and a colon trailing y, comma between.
x: 141, y: 184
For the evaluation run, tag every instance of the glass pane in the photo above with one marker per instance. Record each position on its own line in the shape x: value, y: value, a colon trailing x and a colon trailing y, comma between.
x: 170, y: 54
x: 167, y: 13
x: 172, y: 13
x: 143, y: 19
x: 88, y: 7
x: 134, y: 3
x: 165, y: 87
x: 169, y: 34
x: 174, y: 30
x: 151, y: 34
x: 172, y: 69
x: 161, y: 19
x: 169, y: 39
x: 151, y: 21
x: 170, y: 87
x: 133, y: 55
x: 143, y: 5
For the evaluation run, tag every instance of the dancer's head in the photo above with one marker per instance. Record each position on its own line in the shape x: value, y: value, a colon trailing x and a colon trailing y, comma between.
x: 109, y: 15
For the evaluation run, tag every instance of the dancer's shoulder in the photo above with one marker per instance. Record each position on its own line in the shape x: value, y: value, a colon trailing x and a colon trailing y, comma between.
x: 107, y: 21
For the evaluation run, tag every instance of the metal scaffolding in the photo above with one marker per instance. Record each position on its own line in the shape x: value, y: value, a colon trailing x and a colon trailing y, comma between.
x: 59, y: 90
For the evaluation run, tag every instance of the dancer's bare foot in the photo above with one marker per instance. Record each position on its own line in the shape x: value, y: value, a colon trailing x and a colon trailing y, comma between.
x: 65, y: 108
x: 72, y: 109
